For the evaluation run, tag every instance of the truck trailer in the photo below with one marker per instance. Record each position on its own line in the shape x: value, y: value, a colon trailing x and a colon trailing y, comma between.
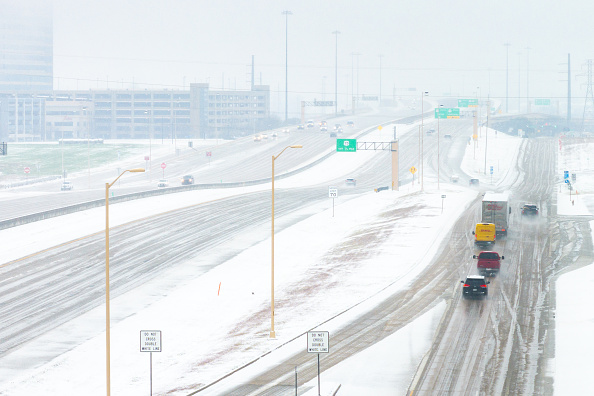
x: 496, y: 210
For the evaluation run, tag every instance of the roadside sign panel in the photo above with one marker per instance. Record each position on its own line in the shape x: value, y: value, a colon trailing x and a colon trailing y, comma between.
x: 163, y: 166
x: 318, y: 342
x: 413, y: 170
x: 467, y: 102
x: 447, y: 112
x: 346, y: 145
x: 332, y: 192
x: 27, y: 169
x: 150, y: 340
x: 542, y: 102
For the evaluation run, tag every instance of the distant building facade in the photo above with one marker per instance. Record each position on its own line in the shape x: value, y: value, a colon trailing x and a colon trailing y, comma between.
x: 26, y: 46
x: 125, y: 114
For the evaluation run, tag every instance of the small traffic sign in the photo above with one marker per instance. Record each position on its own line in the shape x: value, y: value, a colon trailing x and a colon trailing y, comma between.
x: 413, y: 170
x: 332, y: 192
x: 566, y: 174
x: 163, y: 165
x: 318, y: 342
x: 491, y: 169
x: 27, y: 169
x: 150, y: 341
x: 209, y: 153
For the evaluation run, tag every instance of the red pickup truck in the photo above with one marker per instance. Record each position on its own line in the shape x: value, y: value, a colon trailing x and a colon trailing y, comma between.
x: 488, y: 262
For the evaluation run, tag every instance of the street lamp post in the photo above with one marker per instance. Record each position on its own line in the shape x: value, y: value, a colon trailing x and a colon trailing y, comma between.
x: 107, y: 320
x: 380, y: 87
x: 507, y: 77
x: 438, y: 117
x: 286, y: 13
x: 423, y: 94
x: 272, y: 332
x: 336, y: 33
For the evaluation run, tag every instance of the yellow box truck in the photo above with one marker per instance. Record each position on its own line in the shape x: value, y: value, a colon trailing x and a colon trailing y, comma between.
x: 484, y: 234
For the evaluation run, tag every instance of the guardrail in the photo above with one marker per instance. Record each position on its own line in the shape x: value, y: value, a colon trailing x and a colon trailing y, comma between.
x: 171, y: 190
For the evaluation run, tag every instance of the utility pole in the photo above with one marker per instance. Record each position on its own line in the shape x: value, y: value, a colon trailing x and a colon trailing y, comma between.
x: 588, y: 115
x: 527, y: 79
x: 507, y: 77
x: 380, y: 87
x: 568, y: 119
x: 336, y: 33
x: 286, y: 13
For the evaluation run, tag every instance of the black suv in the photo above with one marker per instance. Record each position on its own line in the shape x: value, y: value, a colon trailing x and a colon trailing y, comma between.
x: 475, y: 286
x: 530, y: 209
x: 188, y: 179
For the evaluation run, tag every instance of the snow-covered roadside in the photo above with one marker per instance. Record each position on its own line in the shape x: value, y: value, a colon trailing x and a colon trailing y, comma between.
x: 196, y: 320
x: 574, y: 318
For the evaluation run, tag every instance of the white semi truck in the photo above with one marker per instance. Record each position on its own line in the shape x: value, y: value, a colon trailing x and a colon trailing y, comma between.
x: 495, y: 209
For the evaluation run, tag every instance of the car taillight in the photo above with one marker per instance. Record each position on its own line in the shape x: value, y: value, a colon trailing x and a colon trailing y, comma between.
x: 485, y: 286
x: 466, y: 285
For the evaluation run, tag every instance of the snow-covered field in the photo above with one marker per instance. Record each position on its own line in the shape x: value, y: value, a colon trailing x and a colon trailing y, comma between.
x: 197, y: 318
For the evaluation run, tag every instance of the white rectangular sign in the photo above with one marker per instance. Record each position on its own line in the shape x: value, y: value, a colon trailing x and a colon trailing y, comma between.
x: 150, y: 340
x: 332, y: 192
x: 318, y: 342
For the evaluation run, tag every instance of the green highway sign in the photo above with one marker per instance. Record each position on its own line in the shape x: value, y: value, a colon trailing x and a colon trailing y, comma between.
x: 467, y: 102
x: 447, y: 112
x: 542, y: 102
x: 346, y: 145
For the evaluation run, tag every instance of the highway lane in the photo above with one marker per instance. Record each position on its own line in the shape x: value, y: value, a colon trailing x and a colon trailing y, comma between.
x: 493, y: 346
x: 233, y: 161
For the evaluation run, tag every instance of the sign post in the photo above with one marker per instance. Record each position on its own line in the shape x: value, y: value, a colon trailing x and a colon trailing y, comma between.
x: 332, y: 193
x: 318, y: 342
x: 442, y: 198
x: 150, y: 341
x: 413, y: 170
x: 163, y: 167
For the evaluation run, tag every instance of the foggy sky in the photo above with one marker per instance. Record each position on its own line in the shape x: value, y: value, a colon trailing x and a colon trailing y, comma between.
x: 444, y: 47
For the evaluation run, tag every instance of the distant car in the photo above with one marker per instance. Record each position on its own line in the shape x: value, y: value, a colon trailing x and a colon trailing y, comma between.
x: 475, y: 286
x: 163, y: 183
x: 323, y: 124
x: 339, y: 130
x: 350, y: 123
x: 310, y: 124
x: 264, y: 136
x: 187, y: 179
x: 454, y: 178
x: 350, y: 182
x: 323, y: 128
x: 332, y: 134
x: 257, y: 138
x: 336, y: 126
x: 301, y: 126
x: 529, y: 210
x: 67, y: 186
x: 447, y: 136
x: 274, y: 135
x: 430, y: 131
x: 474, y: 182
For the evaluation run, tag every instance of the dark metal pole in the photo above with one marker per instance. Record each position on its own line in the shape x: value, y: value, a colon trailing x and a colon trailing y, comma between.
x: 286, y: 14
x: 336, y: 33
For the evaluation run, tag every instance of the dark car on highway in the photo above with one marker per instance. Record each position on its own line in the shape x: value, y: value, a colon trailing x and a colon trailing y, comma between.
x: 475, y: 286
x: 187, y: 179
x: 529, y: 210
